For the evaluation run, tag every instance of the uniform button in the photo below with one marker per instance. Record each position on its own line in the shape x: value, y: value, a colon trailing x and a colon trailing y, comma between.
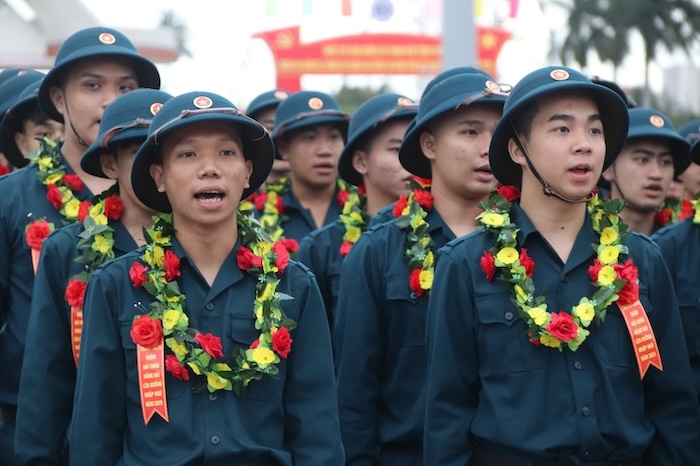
x: 414, y: 295
x: 508, y: 315
x: 213, y: 397
x: 577, y: 365
x: 209, y: 306
x: 586, y: 453
x: 565, y: 278
x: 215, y: 439
x: 585, y: 411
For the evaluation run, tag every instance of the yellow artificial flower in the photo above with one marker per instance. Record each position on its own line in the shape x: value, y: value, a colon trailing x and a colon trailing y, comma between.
x: 95, y: 210
x: 417, y: 221
x: 406, y: 210
x: 101, y: 244
x: 696, y: 218
x: 429, y: 259
x: 357, y: 217
x: 72, y: 208
x: 195, y: 368
x: 266, y: 292
x: 170, y: 319
x: 425, y: 277
x: 101, y: 219
x: 44, y: 163
x: 538, y: 315
x: 53, y: 178
x: 493, y: 219
x: 155, y: 258
x: 352, y: 234
x: 520, y: 293
x: 66, y: 194
x: 550, y: 341
x: 159, y: 238
x: 608, y: 235
x: 507, y: 255
x: 606, y: 275
x: 215, y: 381
x: 584, y: 311
x: 608, y: 255
x: 262, y: 248
x: 178, y: 349
x: 263, y: 356
x: 221, y: 367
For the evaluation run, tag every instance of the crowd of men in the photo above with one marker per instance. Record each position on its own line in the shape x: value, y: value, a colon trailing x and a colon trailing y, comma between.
x: 487, y: 276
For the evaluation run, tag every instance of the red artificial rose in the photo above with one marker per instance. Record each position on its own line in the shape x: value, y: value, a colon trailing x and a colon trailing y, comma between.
x: 75, y: 292
x: 400, y: 205
x: 423, y: 198
x: 510, y: 192
x: 342, y: 197
x: 280, y: 205
x: 54, y: 196
x: 488, y: 265
x: 84, y: 210
x: 594, y: 270
x: 362, y: 190
x: 113, y: 207
x: 414, y: 282
x: 73, y: 182
x: 282, y: 342
x: 630, y: 291
x: 211, y: 344
x: 137, y: 274
x: 562, y: 326
x: 37, y: 232
x: 254, y: 344
x: 527, y: 262
x: 535, y: 341
x: 259, y: 200
x: 172, y: 265
x: 281, y: 256
x: 146, y: 331
x: 424, y: 182
x: 4, y: 170
x: 663, y: 216
x: 686, y: 209
x: 246, y: 259
x: 345, y: 248
x: 291, y: 244
x: 173, y: 366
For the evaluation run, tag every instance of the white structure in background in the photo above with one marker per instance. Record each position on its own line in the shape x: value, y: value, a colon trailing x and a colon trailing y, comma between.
x: 31, y: 31
x: 681, y: 88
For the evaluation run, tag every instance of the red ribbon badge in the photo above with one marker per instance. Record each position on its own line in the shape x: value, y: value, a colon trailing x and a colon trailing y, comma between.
x: 642, y: 335
x: 76, y: 331
x: 151, y: 367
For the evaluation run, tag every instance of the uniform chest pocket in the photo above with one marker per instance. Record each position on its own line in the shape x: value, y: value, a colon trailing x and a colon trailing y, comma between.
x: 406, y: 313
x: 270, y: 387
x: 174, y: 388
x: 614, y: 342
x: 503, y: 343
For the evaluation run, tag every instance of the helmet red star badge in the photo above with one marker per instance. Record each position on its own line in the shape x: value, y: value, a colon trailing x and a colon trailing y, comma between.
x: 155, y: 107
x: 107, y: 38
x: 315, y: 103
x: 559, y: 75
x: 656, y: 120
x: 202, y: 102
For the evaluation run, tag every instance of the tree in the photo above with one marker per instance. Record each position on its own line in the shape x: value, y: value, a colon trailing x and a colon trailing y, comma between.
x: 605, y: 26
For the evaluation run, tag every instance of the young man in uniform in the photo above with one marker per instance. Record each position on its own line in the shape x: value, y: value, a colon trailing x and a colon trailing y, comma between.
x: 310, y: 132
x: 530, y: 360
x: 369, y: 160
x: 92, y: 68
x: 690, y: 178
x: 263, y: 109
x: 641, y: 175
x: 23, y: 126
x: 207, y: 346
x: 386, y: 278
x: 110, y: 226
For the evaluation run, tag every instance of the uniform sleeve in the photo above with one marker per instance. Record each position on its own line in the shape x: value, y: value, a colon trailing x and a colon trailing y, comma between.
x: 310, y: 400
x: 670, y: 398
x: 360, y: 352
x: 99, y: 405
x: 453, y: 376
x: 5, y: 262
x: 48, y: 371
x: 310, y: 255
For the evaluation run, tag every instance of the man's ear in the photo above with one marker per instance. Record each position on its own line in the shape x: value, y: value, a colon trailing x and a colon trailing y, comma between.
x: 22, y: 142
x: 109, y: 165
x: 58, y: 99
x: 359, y: 162
x: 249, y: 173
x: 428, y: 144
x: 609, y: 173
x: 516, y: 153
x: 156, y: 171
x: 282, y: 146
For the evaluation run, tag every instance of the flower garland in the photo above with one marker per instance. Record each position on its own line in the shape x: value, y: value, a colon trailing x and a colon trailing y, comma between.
x: 271, y: 205
x: 613, y: 281
x: 674, y: 210
x: 410, y: 212
x: 696, y: 210
x: 202, y: 354
x: 4, y: 170
x: 354, y: 218
x: 95, y: 242
x: 60, y: 192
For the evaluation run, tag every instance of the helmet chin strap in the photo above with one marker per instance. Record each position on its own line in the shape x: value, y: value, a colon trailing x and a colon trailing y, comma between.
x: 81, y: 141
x: 546, y: 188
